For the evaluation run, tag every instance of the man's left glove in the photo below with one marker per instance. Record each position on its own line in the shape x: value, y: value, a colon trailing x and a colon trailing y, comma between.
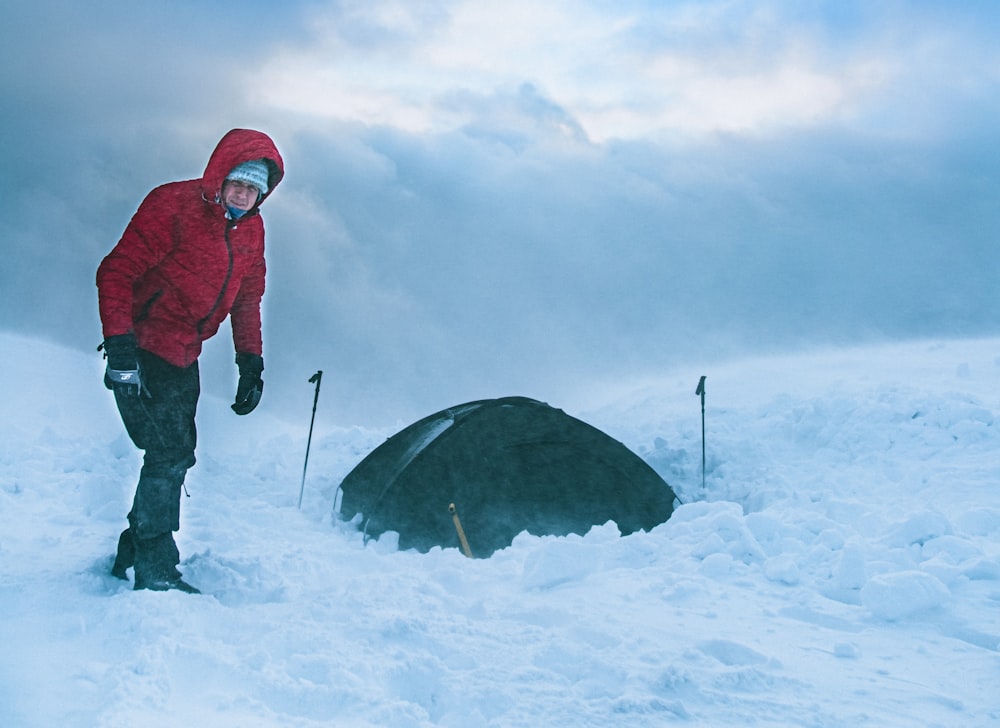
x: 250, y: 386
x: 122, y: 373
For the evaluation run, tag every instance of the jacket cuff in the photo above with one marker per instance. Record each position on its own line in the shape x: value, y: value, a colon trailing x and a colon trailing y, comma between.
x: 249, y: 363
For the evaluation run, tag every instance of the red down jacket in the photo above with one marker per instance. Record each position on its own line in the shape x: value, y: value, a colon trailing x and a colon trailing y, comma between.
x: 182, y: 266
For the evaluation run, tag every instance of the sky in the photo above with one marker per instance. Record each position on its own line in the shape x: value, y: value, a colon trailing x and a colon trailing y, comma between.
x: 530, y: 199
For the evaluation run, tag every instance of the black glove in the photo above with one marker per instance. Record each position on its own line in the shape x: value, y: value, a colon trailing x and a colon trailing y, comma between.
x: 122, y: 373
x: 250, y: 386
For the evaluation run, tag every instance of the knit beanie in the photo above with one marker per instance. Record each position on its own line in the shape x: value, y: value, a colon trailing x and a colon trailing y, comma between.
x: 254, y: 172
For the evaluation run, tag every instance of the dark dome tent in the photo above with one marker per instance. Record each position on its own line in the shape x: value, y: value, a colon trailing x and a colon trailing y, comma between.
x: 509, y: 465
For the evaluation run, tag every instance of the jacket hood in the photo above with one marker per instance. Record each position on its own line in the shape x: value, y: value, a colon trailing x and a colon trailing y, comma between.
x: 236, y: 147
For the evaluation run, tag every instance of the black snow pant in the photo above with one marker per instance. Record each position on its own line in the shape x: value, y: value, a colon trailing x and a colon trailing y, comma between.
x: 162, y: 426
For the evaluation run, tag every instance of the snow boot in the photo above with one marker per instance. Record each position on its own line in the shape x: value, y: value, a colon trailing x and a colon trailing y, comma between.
x: 125, y: 557
x: 166, y: 584
x: 155, y: 565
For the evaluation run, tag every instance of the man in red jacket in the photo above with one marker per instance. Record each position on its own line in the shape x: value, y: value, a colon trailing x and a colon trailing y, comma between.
x: 192, y: 254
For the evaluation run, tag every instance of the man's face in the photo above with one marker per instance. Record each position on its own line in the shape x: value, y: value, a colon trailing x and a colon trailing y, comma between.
x: 239, y: 194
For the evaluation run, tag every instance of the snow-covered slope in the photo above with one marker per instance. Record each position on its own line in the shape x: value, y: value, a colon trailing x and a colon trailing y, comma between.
x: 840, y: 567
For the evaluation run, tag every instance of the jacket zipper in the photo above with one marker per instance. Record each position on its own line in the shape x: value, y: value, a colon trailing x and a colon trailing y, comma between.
x: 225, y: 282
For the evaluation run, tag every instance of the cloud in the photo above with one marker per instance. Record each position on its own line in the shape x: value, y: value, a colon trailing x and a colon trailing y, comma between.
x: 523, y: 199
x: 621, y: 70
x: 461, y: 267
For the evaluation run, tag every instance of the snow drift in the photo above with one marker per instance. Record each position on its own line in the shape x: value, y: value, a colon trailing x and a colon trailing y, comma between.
x: 841, y: 567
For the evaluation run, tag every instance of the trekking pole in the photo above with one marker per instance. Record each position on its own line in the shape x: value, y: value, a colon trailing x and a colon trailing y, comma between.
x: 461, y: 531
x: 317, y: 378
x: 701, y: 390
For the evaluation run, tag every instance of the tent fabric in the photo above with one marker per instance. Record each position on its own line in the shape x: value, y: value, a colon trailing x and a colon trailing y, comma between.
x: 509, y: 465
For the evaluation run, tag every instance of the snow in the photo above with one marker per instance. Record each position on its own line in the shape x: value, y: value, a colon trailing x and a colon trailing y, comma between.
x: 840, y: 567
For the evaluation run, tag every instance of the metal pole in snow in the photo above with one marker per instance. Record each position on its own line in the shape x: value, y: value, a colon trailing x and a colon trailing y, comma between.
x: 317, y: 378
x: 701, y: 390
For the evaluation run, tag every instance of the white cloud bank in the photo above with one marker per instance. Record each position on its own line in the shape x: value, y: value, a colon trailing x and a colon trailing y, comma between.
x: 622, y: 71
